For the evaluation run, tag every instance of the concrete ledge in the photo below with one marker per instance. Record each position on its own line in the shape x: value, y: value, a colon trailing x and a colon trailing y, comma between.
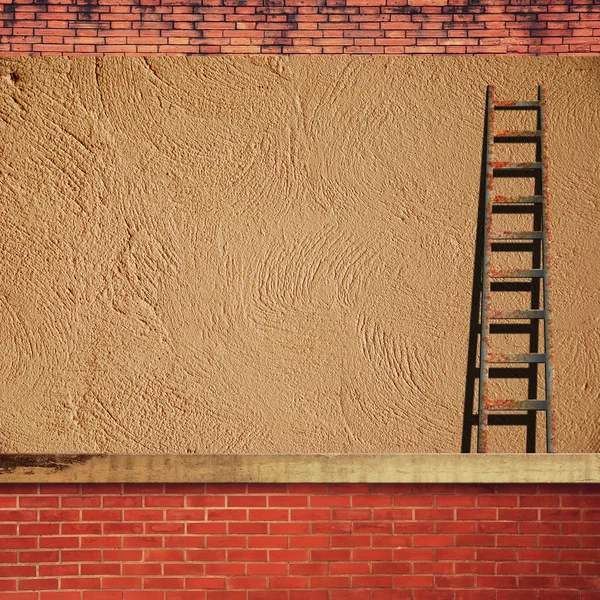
x: 301, y: 468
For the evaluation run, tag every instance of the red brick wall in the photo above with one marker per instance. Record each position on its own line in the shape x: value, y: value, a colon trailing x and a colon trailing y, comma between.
x: 313, y: 542
x: 300, y: 26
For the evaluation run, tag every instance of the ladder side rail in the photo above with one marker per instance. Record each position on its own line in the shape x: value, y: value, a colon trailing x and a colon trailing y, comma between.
x: 482, y: 431
x: 546, y: 237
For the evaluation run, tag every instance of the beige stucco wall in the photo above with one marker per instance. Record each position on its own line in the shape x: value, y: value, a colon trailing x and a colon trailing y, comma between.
x: 271, y: 255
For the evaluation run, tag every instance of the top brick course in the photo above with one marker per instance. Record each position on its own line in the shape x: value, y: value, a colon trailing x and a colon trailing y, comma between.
x: 149, y: 27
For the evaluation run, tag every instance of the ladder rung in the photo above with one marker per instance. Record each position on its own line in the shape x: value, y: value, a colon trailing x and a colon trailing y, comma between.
x: 516, y: 166
x: 503, y: 404
x: 517, y: 133
x: 516, y: 273
x: 516, y: 104
x: 518, y: 199
x: 516, y: 235
x: 532, y: 313
x: 514, y: 358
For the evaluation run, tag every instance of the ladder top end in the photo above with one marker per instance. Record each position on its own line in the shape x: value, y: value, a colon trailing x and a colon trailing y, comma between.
x: 541, y: 92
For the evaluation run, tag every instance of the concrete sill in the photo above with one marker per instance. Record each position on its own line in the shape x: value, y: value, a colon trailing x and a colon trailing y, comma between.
x: 300, y: 468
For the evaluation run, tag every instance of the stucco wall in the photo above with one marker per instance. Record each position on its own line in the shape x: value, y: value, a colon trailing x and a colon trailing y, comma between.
x: 271, y: 255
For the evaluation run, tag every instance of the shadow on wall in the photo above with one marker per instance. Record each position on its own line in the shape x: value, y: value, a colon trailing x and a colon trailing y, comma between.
x: 527, y: 373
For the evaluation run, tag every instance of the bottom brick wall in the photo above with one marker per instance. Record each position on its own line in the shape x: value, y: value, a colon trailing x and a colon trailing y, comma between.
x: 299, y: 541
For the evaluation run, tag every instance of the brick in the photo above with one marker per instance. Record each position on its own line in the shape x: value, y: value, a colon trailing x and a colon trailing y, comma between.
x: 413, y: 581
x: 560, y: 514
x: 38, y: 583
x: 205, y: 555
x: 498, y: 500
x: 101, y: 488
x: 496, y: 581
x: 454, y: 501
x: 103, y: 541
x: 324, y: 555
x: 205, y: 583
x: 477, y: 568
x: 542, y: 554
x: 375, y: 500
x: 338, y: 568
x: 103, y: 595
x: 518, y: 568
x: 226, y: 514
x: 121, y: 555
x: 385, y: 594
x: 381, y: 528
x: 38, y: 502
x: 434, y: 514
x: 122, y: 501
x: 163, y: 583
x: 38, y: 556
x: 538, y: 528
x: 166, y: 527
x: 278, y: 569
x: 290, y: 501
x: 121, y: 582
x: 329, y: 501
x: 433, y: 595
x: 181, y: 541
x: 309, y: 515
x: 268, y: 595
x: 361, y: 514
x: 185, y: 515
x: 149, y: 541
x: 17, y: 571
x: 18, y: 515
x: 475, y: 595
x: 372, y: 554
x: 422, y: 527
x: 18, y: 542
x: 476, y: 514
x: 539, y: 501
x: 100, y: 569
x: 295, y: 528
x: 433, y: 540
x: 229, y: 541
x: 196, y: 501
x: 579, y: 582
x: 123, y: 528
x: 246, y: 501
x: 392, y: 568
x: 80, y: 501
x: 101, y: 515
x: 250, y: 555
x: 269, y: 514
x: 538, y: 582
x: 181, y: 569
x: 307, y: 541
x: 557, y: 541
x: 517, y: 514
x: 59, y: 542
x: 80, y: 583
x: 354, y: 541
x: 556, y: 568
x: 143, y: 515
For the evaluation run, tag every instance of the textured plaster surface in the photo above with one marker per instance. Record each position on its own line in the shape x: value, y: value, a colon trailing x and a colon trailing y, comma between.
x: 271, y: 255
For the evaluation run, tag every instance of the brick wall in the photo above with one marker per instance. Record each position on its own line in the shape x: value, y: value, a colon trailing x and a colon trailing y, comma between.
x: 313, y: 542
x: 52, y: 27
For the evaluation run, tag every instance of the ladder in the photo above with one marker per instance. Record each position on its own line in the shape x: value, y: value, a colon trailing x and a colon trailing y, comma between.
x: 491, y: 278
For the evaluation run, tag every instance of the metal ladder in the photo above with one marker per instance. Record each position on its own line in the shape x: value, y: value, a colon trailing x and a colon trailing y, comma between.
x: 541, y: 235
